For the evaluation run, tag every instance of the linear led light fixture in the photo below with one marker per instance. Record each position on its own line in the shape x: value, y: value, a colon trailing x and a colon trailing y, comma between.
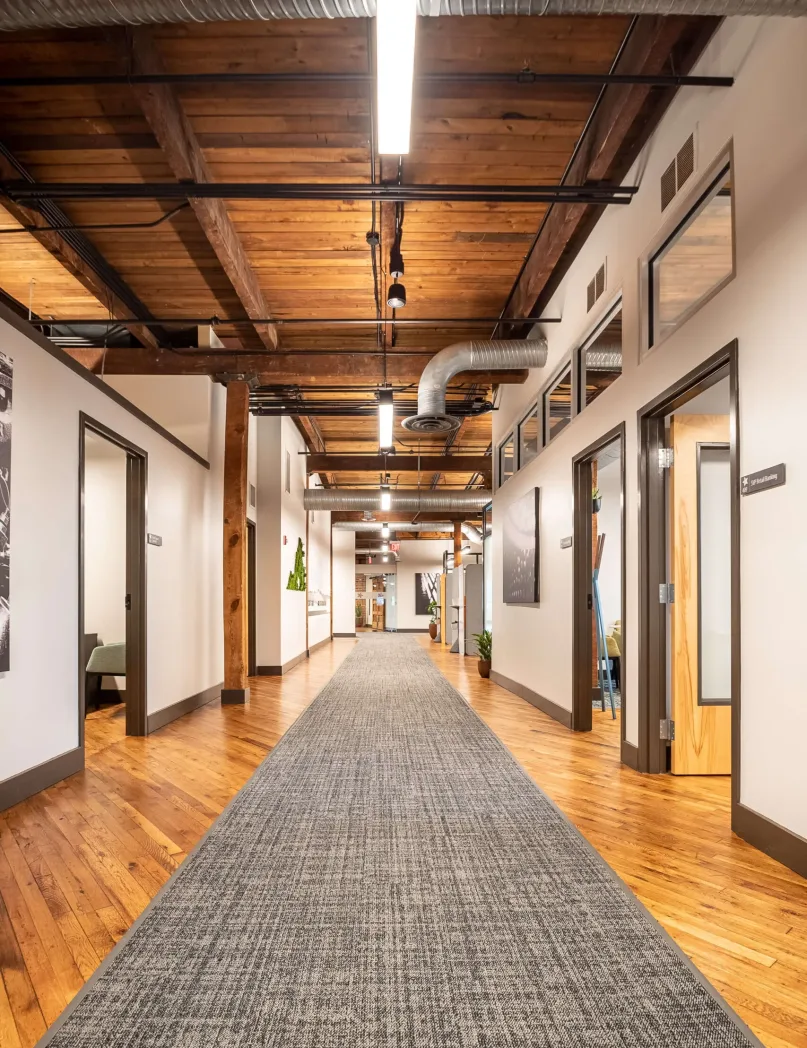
x: 385, y: 416
x: 395, y: 73
x: 386, y: 497
x: 385, y: 531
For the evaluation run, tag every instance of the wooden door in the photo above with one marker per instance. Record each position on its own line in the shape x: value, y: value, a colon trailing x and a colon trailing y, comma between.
x: 702, y: 743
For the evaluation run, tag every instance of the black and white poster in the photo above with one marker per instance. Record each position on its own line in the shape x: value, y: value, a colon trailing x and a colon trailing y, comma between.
x: 520, y: 554
x: 427, y: 589
x: 6, y: 369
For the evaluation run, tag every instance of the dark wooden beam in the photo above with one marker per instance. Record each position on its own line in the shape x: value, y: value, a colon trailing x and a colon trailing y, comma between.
x: 626, y: 117
x: 235, y: 544
x: 282, y: 369
x: 70, y: 259
x: 398, y: 463
x: 172, y: 129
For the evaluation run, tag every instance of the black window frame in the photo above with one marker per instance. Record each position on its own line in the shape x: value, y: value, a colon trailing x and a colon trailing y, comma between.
x: 511, y: 436
x: 536, y: 407
x: 567, y: 367
x: 585, y: 345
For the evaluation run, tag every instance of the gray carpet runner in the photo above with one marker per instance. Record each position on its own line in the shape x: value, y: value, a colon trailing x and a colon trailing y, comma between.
x: 391, y: 877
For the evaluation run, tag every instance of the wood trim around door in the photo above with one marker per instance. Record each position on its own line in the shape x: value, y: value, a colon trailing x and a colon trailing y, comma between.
x: 252, y: 666
x: 653, y: 560
x: 136, y: 503
x: 582, y: 590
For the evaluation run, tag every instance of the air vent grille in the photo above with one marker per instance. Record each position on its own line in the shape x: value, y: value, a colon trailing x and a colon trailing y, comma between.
x: 253, y: 496
x: 595, y: 288
x: 678, y: 172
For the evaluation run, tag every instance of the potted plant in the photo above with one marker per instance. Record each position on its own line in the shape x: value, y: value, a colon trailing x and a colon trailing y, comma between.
x: 433, y: 610
x: 484, y: 646
x: 596, y: 501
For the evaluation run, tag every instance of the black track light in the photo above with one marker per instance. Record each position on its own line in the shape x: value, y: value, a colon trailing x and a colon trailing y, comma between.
x: 396, y: 262
x: 396, y: 296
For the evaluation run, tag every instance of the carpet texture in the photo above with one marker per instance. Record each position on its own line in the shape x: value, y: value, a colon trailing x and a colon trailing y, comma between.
x: 391, y: 877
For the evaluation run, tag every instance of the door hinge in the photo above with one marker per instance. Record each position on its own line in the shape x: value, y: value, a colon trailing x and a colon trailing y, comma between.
x: 665, y: 458
x: 666, y: 593
x: 667, y: 730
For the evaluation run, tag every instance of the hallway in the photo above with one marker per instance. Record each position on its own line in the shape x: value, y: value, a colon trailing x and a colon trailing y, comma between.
x: 80, y: 862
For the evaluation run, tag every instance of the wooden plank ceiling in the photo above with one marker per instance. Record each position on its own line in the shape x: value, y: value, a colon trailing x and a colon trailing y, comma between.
x: 308, y: 259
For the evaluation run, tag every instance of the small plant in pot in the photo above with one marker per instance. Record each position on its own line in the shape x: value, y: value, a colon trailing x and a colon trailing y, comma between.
x: 596, y: 501
x: 484, y: 646
x: 433, y: 610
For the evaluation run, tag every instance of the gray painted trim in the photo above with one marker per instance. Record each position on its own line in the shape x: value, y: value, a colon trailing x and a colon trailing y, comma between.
x: 320, y: 644
x: 39, y: 340
x: 344, y: 634
x: 629, y: 754
x: 418, y: 629
x: 551, y: 709
x: 34, y: 780
x: 111, y: 957
x: 781, y: 844
x: 160, y: 718
x: 234, y: 696
x: 278, y: 671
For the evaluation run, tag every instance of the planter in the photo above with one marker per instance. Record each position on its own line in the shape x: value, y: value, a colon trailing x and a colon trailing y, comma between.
x: 596, y: 505
x: 433, y: 630
x: 484, y: 667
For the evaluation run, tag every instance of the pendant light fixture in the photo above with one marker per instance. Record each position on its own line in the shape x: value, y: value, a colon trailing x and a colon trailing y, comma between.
x: 385, y: 418
x: 386, y: 497
x: 385, y: 531
x: 395, y: 73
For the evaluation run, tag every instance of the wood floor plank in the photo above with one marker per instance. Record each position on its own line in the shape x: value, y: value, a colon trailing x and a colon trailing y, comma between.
x: 92, y: 851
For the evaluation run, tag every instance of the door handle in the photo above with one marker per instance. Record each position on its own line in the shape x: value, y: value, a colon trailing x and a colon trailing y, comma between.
x: 590, y: 602
x: 128, y: 602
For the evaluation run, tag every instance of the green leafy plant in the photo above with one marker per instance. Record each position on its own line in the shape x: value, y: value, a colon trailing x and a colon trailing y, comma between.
x: 484, y: 644
x: 433, y: 610
x: 595, y: 494
x: 297, y: 575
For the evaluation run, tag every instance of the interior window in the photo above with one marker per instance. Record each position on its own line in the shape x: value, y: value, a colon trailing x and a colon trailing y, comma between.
x: 507, y: 461
x: 529, y: 434
x: 558, y: 404
x: 601, y: 358
x: 695, y: 260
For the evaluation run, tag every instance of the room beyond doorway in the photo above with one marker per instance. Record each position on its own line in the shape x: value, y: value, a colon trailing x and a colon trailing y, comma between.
x: 112, y: 579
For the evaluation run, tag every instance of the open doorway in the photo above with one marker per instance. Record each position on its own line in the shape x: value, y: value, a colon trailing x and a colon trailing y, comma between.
x: 599, y: 586
x: 112, y: 581
x: 689, y: 571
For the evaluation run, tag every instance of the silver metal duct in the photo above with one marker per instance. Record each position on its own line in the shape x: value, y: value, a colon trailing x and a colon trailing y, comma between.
x: 469, y: 531
x: 467, y: 356
x: 31, y: 14
x: 346, y: 500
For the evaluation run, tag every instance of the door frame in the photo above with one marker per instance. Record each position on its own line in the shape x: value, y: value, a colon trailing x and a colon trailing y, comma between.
x: 653, y: 559
x: 136, y: 512
x: 582, y: 590
x: 252, y: 659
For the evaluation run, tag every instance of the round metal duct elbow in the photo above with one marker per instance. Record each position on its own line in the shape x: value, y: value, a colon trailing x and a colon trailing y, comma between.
x: 491, y: 355
x: 347, y: 500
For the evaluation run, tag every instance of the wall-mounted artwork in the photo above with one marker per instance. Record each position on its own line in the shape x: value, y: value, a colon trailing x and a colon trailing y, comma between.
x: 520, y: 557
x: 6, y: 371
x: 427, y: 589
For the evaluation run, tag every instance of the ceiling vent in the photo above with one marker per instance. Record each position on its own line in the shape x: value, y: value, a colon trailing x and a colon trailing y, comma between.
x: 678, y: 172
x: 595, y: 288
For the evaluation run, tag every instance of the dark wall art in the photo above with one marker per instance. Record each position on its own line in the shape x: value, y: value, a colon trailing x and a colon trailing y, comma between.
x: 427, y: 589
x: 6, y: 371
x: 520, y: 555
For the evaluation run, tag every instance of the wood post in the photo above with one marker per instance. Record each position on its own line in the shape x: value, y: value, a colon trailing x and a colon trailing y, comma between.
x: 235, y: 544
x: 457, y: 543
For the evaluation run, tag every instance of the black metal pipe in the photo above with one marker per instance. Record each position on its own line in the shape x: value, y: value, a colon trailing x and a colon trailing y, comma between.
x: 290, y: 321
x: 99, y: 225
x: 588, y: 194
x: 525, y: 77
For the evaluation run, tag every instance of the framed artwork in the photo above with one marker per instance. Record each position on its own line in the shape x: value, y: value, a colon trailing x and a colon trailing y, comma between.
x: 520, y: 553
x: 427, y: 589
x: 6, y: 372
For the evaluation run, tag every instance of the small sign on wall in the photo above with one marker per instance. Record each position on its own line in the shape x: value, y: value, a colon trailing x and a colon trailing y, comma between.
x: 772, y: 477
x: 566, y: 543
x: 154, y: 540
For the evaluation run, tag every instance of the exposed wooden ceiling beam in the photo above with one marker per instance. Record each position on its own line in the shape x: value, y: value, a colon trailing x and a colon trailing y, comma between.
x: 398, y: 463
x: 282, y: 369
x: 76, y: 266
x: 172, y: 129
x: 397, y: 516
x: 622, y: 124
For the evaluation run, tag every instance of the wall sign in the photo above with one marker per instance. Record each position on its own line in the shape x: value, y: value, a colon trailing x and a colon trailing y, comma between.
x: 566, y: 543
x: 154, y: 540
x: 772, y: 477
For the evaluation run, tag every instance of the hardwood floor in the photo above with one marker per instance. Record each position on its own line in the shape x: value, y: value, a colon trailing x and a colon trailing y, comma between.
x: 80, y: 861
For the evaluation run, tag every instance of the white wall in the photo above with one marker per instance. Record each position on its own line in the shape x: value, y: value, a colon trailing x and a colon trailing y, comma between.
x: 182, y: 404
x: 417, y: 555
x: 105, y: 543
x: 281, y: 613
x: 763, y: 307
x: 319, y: 575
x: 344, y: 582
x: 39, y: 694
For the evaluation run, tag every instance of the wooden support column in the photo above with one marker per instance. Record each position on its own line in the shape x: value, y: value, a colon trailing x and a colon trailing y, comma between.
x: 457, y: 543
x: 235, y: 544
